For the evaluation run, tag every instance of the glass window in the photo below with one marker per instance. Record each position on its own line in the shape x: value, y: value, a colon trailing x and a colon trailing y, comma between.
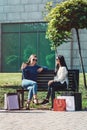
x: 10, y: 53
x: 45, y: 54
x: 19, y: 41
x: 28, y: 45
x: 10, y: 28
x: 33, y: 27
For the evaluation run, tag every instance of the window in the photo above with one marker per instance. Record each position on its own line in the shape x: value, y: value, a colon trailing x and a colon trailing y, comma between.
x: 19, y: 41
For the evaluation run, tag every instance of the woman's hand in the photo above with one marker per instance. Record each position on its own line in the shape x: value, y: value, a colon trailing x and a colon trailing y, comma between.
x: 50, y: 82
x: 39, y: 70
x: 23, y: 65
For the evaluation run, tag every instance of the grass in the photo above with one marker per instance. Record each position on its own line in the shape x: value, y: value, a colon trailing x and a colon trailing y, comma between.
x: 10, y: 82
x: 10, y: 79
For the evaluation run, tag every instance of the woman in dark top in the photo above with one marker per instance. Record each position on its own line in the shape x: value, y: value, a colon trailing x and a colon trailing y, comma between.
x: 29, y: 78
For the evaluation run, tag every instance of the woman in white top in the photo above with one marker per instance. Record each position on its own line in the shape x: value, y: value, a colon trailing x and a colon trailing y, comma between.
x: 60, y: 80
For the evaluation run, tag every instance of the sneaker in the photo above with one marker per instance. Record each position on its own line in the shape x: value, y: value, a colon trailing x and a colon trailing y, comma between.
x: 45, y: 101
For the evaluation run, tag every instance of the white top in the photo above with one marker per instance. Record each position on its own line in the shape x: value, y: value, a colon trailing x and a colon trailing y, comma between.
x: 62, y: 75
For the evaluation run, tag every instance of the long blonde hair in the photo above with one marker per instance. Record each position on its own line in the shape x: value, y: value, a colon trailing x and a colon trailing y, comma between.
x: 29, y: 59
x: 28, y: 62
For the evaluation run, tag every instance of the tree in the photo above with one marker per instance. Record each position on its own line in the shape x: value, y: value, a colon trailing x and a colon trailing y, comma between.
x: 62, y: 19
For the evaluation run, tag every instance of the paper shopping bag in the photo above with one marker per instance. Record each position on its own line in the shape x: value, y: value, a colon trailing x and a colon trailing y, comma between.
x: 70, y: 102
x: 11, y: 101
x: 59, y: 105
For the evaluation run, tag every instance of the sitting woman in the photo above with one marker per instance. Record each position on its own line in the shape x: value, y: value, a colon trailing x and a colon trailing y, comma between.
x: 59, y: 81
x: 29, y: 78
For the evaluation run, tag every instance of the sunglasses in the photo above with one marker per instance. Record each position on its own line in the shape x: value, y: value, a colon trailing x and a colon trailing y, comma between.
x: 34, y: 59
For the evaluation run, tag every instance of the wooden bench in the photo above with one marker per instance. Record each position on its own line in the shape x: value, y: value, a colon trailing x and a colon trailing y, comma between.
x: 45, y: 76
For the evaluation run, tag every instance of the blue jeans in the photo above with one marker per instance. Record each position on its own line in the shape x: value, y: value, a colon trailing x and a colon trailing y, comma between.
x: 31, y: 86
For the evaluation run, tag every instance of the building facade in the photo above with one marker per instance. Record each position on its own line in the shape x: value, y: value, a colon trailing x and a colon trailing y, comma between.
x: 22, y: 32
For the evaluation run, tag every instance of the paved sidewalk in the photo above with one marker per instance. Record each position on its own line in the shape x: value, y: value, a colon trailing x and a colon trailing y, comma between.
x: 43, y: 120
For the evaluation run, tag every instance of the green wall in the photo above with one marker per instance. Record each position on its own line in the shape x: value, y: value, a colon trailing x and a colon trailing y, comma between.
x: 20, y: 40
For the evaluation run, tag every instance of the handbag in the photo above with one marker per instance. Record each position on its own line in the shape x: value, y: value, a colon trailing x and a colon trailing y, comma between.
x: 59, y: 105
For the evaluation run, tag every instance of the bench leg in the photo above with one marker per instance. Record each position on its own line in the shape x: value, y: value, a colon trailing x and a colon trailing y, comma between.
x: 21, y: 98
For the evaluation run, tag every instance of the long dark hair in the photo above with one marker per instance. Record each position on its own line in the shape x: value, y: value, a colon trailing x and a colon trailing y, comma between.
x: 62, y: 62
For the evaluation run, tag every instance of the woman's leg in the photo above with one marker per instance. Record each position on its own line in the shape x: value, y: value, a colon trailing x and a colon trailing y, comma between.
x: 45, y: 101
x: 30, y: 93
x: 32, y: 87
x: 28, y: 84
x: 51, y: 89
x: 51, y: 92
x: 48, y: 93
x: 35, y: 93
x: 34, y: 90
x: 54, y: 87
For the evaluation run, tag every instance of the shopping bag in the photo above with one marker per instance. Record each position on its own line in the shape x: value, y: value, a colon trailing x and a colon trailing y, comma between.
x: 59, y: 105
x: 70, y: 102
x: 5, y: 102
x: 11, y: 101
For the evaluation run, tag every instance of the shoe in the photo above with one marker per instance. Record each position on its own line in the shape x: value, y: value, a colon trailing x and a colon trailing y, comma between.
x: 35, y: 101
x: 45, y: 101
